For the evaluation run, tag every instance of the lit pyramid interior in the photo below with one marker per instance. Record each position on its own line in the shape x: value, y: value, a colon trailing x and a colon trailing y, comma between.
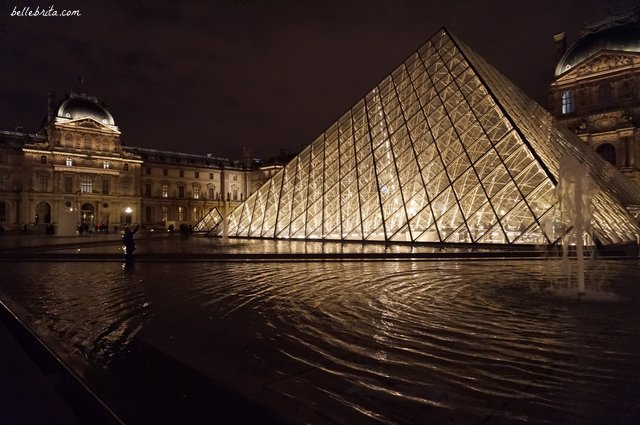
x: 443, y: 150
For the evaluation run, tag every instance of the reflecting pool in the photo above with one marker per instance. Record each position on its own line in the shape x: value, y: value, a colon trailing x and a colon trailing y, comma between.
x: 354, y: 342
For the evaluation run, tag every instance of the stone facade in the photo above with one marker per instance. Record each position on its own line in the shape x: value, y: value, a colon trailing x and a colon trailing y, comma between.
x: 76, y: 174
x: 596, y: 90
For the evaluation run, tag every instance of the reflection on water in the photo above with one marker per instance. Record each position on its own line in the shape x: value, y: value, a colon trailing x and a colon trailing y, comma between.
x: 396, y: 342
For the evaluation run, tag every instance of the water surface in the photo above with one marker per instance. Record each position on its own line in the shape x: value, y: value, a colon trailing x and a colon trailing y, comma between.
x: 390, y: 342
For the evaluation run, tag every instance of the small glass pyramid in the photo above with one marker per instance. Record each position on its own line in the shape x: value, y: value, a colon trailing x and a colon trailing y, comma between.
x: 209, y: 222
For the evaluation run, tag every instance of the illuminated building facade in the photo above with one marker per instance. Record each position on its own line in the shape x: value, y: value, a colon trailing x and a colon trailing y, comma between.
x: 596, y: 89
x: 443, y: 150
x: 77, y: 174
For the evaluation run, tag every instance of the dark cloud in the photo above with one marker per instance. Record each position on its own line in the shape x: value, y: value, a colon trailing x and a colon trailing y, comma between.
x: 214, y: 76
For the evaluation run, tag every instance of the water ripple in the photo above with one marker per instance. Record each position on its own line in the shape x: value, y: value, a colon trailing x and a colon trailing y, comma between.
x: 380, y: 342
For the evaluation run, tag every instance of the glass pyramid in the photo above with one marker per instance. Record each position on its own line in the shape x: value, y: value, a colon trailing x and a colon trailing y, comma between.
x: 209, y: 222
x: 445, y: 149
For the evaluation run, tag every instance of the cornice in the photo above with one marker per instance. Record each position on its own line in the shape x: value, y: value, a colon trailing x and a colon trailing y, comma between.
x: 86, y: 170
x: 79, y: 155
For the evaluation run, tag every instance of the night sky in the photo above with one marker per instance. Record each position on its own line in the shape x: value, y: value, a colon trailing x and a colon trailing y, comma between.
x: 214, y: 76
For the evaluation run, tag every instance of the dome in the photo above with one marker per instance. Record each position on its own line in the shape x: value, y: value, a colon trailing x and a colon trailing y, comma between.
x: 619, y: 34
x: 80, y: 106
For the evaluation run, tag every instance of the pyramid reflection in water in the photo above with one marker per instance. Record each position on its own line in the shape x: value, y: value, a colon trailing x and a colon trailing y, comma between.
x: 445, y: 149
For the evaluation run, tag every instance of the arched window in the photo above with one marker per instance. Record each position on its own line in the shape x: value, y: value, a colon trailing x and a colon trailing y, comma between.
x: 568, y: 102
x: 87, y: 214
x: 605, y: 94
x: 608, y: 152
x: 43, y: 213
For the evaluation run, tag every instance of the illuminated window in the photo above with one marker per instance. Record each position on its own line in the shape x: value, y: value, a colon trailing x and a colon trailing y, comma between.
x: 68, y: 162
x: 165, y: 190
x: 196, y: 191
x: 180, y: 213
x: 86, y: 184
x: 568, y: 102
x: 105, y: 165
x: 164, y: 213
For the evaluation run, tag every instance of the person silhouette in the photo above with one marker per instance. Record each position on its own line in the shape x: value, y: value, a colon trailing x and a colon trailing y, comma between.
x: 129, y: 243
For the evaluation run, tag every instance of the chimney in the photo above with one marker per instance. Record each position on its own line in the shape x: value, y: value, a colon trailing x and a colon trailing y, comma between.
x: 560, y: 41
x: 246, y: 158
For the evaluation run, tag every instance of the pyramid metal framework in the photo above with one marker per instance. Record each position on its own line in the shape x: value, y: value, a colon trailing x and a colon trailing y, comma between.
x: 445, y: 149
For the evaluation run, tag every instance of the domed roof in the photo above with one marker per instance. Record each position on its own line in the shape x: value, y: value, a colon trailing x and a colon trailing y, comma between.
x: 619, y: 34
x: 82, y: 106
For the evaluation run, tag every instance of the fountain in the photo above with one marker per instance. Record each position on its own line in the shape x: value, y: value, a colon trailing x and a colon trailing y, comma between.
x: 225, y: 231
x: 574, y: 192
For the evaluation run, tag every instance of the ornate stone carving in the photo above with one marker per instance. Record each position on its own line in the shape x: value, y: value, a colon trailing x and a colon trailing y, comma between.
x: 606, y: 121
x: 604, y: 63
x: 88, y: 124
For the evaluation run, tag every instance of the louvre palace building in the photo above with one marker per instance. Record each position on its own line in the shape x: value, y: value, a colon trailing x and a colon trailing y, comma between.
x: 76, y: 174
